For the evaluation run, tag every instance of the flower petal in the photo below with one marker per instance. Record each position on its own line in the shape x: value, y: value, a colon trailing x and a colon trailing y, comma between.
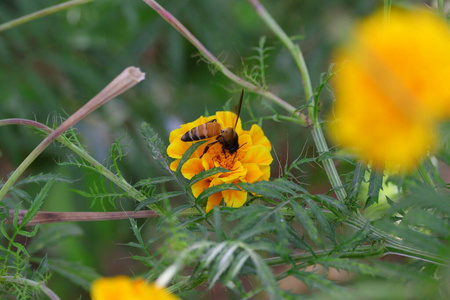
x: 174, y: 164
x: 228, y: 119
x: 258, y: 137
x: 192, y: 167
x: 258, y: 154
x: 198, y: 187
x: 213, y: 200
x: 253, y: 173
x: 177, y: 148
x: 234, y: 198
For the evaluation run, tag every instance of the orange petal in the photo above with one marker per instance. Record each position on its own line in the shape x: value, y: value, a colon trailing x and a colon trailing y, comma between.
x: 258, y: 154
x: 253, y: 173
x: 213, y: 200
x: 192, y: 167
x: 174, y: 164
x: 207, y: 161
x: 177, y: 148
x: 198, y: 187
x: 234, y: 198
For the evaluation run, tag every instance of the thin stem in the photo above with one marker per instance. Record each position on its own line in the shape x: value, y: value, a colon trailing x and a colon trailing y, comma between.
x: 23, y: 281
x: 363, y: 251
x: 208, y: 56
x: 41, y: 13
x: 124, y: 81
x: 317, y: 133
x: 118, y: 180
x: 387, y: 10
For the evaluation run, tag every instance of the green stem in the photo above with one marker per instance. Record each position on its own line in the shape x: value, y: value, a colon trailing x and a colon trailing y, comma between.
x: 441, y: 9
x: 317, y: 133
x: 363, y: 251
x: 41, y: 13
x: 23, y: 281
x: 118, y: 180
x: 387, y: 9
x: 208, y: 56
x: 124, y: 81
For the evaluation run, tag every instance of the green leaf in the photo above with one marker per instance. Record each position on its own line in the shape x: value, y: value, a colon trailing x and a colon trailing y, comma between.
x: 52, y: 235
x: 375, y: 185
x: 153, y: 181
x: 75, y: 272
x: 321, y: 218
x: 157, y: 198
x: 354, y: 240
x: 215, y: 189
x: 188, y: 154
x: 308, y: 224
x: 264, y: 188
x: 156, y: 146
x: 37, y: 203
x: 223, y: 264
x: 205, y: 174
x: 358, y: 178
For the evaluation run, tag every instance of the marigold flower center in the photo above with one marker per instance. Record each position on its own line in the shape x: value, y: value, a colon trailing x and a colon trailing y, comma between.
x: 224, y: 159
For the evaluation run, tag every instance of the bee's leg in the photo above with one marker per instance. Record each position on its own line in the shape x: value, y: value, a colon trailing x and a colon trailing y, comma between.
x: 207, y: 147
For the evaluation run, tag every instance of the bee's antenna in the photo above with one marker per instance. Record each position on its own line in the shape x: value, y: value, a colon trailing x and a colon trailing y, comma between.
x: 239, y: 107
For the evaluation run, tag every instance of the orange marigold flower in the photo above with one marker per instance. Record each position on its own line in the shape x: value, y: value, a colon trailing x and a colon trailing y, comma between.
x: 125, y: 288
x: 250, y: 163
x: 392, y: 89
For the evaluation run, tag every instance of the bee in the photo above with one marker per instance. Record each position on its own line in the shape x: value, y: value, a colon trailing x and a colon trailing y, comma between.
x: 227, y: 137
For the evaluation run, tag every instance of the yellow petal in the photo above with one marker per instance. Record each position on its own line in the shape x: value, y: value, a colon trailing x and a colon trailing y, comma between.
x: 266, y: 172
x: 254, y: 173
x: 411, y: 44
x: 234, y: 198
x: 192, y: 167
x: 258, y: 137
x: 228, y: 119
x: 198, y: 187
x: 258, y: 154
x: 213, y: 200
x: 125, y: 288
x: 177, y: 148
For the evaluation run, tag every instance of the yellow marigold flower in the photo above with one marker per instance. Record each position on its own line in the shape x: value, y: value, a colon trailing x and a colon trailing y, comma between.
x: 125, y: 288
x: 250, y: 163
x: 393, y: 88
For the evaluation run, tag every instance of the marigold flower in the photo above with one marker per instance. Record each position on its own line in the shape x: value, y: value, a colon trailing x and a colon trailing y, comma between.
x: 392, y: 89
x: 250, y: 163
x: 125, y: 288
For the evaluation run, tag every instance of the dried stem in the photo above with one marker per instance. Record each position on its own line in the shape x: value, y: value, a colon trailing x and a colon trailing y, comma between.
x: 41, y: 13
x: 221, y: 67
x: 124, y: 81
x: 45, y: 217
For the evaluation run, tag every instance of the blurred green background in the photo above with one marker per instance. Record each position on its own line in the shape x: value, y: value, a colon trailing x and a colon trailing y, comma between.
x: 51, y: 66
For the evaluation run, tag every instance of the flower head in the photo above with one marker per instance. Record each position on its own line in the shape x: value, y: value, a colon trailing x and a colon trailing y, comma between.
x: 393, y: 88
x: 125, y: 288
x: 250, y: 163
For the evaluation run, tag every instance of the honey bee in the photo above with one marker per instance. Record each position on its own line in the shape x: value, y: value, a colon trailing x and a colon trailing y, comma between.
x: 227, y: 137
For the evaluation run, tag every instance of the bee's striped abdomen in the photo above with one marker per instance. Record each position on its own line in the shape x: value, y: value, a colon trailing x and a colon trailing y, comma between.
x: 201, y: 132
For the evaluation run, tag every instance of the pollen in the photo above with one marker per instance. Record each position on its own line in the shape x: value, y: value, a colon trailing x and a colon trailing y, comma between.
x: 223, y: 158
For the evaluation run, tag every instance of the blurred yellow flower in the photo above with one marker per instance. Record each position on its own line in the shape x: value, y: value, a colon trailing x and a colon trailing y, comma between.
x: 393, y: 88
x: 250, y: 163
x: 125, y: 288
